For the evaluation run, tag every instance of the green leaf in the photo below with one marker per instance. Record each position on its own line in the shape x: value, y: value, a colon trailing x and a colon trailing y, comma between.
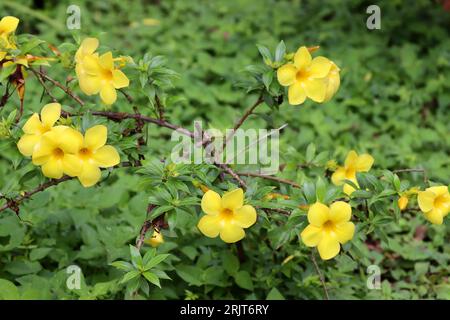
x: 136, y: 257
x: 190, y: 274
x: 8, y: 291
x: 244, y: 280
x: 230, y: 263
x: 310, y: 152
x: 155, y: 261
x: 274, y: 294
x: 152, y: 278
x: 122, y: 265
x: 130, y: 275
x: 280, y: 51
x: 39, y: 253
x: 321, y: 189
x: 265, y: 53
x: 267, y: 78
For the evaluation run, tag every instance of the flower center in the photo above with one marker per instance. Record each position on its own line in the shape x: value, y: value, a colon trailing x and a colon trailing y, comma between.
x: 328, y: 226
x: 302, y: 75
x: 58, y: 153
x: 226, y: 214
x: 107, y: 74
x: 85, y: 153
x: 439, y: 202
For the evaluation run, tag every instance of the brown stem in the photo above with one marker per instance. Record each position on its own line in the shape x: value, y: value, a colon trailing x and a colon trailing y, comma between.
x: 42, y: 82
x: 321, y: 277
x: 61, y: 86
x: 228, y: 170
x: 13, y: 204
x: 240, y: 251
x: 423, y: 171
x: 280, y: 180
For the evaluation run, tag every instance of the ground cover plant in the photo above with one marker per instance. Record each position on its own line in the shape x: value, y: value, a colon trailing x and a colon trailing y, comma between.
x: 93, y: 205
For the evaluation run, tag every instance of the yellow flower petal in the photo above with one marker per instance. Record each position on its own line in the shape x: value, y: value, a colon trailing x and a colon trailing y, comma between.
x: 90, y: 175
x: 364, y: 162
x: 91, y: 65
x: 120, y: 80
x: 245, y: 216
x: 27, y: 143
x: 296, y: 94
x: 89, y: 45
x: 108, y: 94
x: 315, y: 89
x: 53, y: 169
x: 435, y: 216
x: 106, y: 156
x: 50, y: 113
x: 95, y: 137
x: 302, y: 58
x: 8, y: 24
x: 338, y: 176
x: 344, y: 231
x: 89, y: 84
x: 106, y: 61
x: 425, y: 200
x: 72, y: 165
x: 351, y: 159
x: 43, y: 150
x: 438, y: 190
x: 348, y: 189
x: 320, y: 67
x: 286, y: 74
x: 318, y: 214
x: 231, y: 233
x: 340, y: 211
x: 33, y: 125
x: 70, y: 140
x: 210, y: 226
x: 328, y: 247
x: 211, y: 203
x: 233, y: 199
x: 311, y: 235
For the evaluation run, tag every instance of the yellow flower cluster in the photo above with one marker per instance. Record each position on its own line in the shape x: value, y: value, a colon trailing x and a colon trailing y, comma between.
x: 8, y: 26
x: 98, y: 73
x: 226, y: 216
x: 63, y: 150
x: 317, y: 79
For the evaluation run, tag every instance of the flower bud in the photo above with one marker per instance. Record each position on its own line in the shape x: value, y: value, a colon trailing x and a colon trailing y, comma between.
x: 402, y: 202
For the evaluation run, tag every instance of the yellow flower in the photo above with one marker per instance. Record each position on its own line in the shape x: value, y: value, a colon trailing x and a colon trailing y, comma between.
x: 333, y: 82
x: 402, y: 202
x: 307, y: 77
x: 87, y: 48
x: 97, y: 74
x: 328, y: 228
x: 155, y: 240
x: 353, y: 164
x: 226, y: 215
x: 435, y: 203
x: 56, y: 152
x: 8, y: 26
x: 35, y: 127
x: 94, y: 154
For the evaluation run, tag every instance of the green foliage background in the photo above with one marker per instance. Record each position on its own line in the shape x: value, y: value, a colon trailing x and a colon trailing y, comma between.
x: 393, y: 103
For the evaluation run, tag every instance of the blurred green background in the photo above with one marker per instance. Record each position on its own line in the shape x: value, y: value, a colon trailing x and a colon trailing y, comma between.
x: 393, y: 103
